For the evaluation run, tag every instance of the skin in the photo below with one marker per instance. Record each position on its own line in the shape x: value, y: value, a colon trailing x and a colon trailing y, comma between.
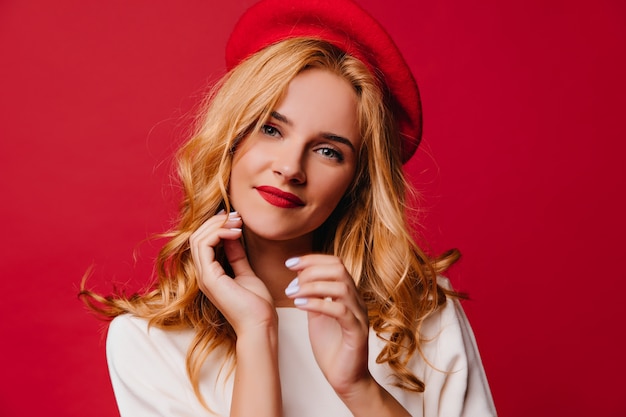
x: 308, y: 148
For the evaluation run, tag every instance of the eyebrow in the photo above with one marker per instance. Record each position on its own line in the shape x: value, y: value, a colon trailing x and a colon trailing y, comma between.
x: 329, y: 136
x: 281, y: 118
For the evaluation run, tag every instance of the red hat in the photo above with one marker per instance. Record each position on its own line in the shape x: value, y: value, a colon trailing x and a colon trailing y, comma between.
x: 348, y: 27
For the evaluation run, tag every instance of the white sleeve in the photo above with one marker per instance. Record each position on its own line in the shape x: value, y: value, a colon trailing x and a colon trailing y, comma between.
x: 147, y: 370
x: 456, y: 385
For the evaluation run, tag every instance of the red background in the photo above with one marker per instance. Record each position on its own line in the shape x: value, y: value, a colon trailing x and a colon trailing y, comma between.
x: 522, y: 168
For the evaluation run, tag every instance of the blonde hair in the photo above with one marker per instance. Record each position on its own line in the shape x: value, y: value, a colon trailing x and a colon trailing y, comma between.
x: 368, y: 229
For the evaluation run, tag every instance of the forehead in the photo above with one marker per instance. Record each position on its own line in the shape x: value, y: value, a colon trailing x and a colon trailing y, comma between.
x: 321, y: 101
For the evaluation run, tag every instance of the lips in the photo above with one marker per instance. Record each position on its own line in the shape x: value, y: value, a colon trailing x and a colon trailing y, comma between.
x: 278, y: 197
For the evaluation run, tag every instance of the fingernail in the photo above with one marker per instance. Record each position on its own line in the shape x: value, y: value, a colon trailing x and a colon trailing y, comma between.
x: 222, y: 211
x: 234, y: 219
x: 233, y: 214
x: 291, y: 262
x: 300, y: 301
x: 235, y: 229
x: 292, y: 288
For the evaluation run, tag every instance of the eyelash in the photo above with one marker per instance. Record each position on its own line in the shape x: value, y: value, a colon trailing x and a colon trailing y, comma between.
x: 273, y: 131
x: 336, y: 155
x: 270, y: 130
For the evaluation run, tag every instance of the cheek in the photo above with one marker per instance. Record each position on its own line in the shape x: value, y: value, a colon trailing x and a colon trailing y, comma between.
x: 238, y: 175
x: 250, y: 157
x: 337, y: 188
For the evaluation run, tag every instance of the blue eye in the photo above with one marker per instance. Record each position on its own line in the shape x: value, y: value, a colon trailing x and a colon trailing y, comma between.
x: 270, y: 130
x: 330, y: 153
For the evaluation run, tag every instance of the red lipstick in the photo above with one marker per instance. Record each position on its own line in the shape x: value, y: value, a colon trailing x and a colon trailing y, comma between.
x: 278, y: 197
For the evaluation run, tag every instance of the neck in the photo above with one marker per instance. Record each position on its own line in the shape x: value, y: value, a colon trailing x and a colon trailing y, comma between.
x: 267, y: 259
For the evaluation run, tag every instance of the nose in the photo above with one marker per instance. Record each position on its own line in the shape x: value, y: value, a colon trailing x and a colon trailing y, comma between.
x: 289, y: 163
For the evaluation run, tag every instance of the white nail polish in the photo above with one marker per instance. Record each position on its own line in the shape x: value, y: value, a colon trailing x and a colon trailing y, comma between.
x: 235, y: 229
x: 233, y: 214
x: 292, y: 289
x: 291, y: 262
x: 300, y: 301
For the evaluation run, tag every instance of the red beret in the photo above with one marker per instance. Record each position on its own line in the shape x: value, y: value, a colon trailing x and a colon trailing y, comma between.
x: 348, y: 27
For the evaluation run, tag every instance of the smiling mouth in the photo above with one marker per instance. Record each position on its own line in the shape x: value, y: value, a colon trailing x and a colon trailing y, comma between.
x: 278, y: 197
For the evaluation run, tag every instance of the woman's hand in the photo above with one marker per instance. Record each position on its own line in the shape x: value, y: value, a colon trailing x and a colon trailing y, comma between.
x: 339, y: 333
x: 338, y: 323
x: 243, y: 299
x: 248, y: 306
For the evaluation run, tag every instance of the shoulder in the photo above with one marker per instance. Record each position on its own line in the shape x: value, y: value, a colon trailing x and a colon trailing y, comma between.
x: 443, y: 337
x: 128, y: 325
x: 127, y: 330
x: 448, y: 363
x: 132, y: 343
x: 449, y: 332
x: 147, y: 366
x: 447, y: 325
x: 456, y: 374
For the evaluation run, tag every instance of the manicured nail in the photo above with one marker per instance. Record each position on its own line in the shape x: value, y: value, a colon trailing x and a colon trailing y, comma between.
x: 291, y: 262
x: 300, y: 301
x: 235, y: 229
x: 234, y: 219
x: 233, y: 214
x: 292, y: 288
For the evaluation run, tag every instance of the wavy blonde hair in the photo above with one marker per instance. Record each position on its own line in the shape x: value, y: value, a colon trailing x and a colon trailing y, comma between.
x: 368, y: 229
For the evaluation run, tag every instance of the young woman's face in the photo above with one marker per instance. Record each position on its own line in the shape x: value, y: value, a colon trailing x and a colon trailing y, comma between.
x: 287, y: 178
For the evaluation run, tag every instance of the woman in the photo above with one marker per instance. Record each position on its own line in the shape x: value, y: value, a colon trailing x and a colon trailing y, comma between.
x: 311, y: 298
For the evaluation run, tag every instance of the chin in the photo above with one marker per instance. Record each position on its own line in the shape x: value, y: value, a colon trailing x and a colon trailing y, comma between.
x: 272, y: 229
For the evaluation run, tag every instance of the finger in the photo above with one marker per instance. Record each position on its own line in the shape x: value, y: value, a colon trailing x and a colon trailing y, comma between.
x: 219, y: 220
x: 209, y: 277
x: 205, y: 234
x: 334, y: 299
x: 202, y: 246
x: 333, y: 290
x: 324, y: 281
x: 301, y: 262
x: 220, y: 227
x: 325, y: 278
x: 328, y: 272
x: 345, y: 316
x: 236, y: 255
x: 212, y: 279
x: 319, y: 267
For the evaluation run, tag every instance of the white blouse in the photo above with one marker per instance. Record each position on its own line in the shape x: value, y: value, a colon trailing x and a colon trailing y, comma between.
x: 147, y: 368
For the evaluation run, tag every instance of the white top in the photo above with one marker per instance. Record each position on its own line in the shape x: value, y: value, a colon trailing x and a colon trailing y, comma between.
x: 148, y: 371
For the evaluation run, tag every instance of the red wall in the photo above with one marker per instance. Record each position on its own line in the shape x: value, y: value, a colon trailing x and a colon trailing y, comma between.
x: 522, y: 168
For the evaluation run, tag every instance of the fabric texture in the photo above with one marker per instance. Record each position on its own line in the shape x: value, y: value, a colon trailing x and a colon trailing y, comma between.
x: 147, y: 368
